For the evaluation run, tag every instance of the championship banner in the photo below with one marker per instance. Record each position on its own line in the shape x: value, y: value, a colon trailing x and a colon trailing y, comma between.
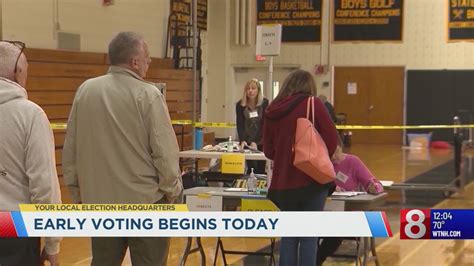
x: 436, y: 224
x: 68, y: 220
x: 368, y: 20
x: 301, y: 19
x: 461, y: 20
x: 182, y: 9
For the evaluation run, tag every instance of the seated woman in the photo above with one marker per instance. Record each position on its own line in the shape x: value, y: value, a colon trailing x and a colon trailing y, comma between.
x: 351, y: 175
x: 250, y: 112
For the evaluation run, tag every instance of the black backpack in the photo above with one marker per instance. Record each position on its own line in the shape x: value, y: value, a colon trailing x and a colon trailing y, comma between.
x: 192, y: 179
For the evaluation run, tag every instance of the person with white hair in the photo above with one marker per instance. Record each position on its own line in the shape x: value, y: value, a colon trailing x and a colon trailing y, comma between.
x: 27, y: 162
x: 120, y: 148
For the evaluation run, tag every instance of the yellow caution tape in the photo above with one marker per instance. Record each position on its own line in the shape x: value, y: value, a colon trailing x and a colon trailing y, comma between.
x: 181, y: 122
x: 58, y: 126
x: 208, y: 124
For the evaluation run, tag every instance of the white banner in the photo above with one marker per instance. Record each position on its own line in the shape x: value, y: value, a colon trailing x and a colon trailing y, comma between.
x: 204, y: 224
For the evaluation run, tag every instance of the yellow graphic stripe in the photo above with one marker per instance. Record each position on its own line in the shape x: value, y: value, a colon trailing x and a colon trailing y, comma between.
x: 354, y: 127
x: 103, y: 207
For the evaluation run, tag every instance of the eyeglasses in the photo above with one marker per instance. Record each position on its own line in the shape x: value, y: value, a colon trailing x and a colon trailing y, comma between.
x: 21, y: 46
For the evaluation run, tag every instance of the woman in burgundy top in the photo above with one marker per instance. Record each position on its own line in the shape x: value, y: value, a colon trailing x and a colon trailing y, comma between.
x: 290, y: 189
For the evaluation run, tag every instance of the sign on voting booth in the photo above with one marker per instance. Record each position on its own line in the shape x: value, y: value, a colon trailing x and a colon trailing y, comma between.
x: 268, y: 39
x: 233, y: 163
x: 204, y: 202
x: 250, y: 204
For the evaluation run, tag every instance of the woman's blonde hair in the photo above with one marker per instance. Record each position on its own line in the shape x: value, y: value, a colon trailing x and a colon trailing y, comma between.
x: 243, y: 101
x: 298, y: 81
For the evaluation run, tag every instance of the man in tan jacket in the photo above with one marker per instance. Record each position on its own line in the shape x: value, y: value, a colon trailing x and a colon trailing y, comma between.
x: 120, y: 147
x: 27, y: 163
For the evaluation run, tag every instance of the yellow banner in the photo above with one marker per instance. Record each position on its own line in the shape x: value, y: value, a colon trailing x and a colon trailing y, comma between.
x: 103, y: 207
x: 233, y: 163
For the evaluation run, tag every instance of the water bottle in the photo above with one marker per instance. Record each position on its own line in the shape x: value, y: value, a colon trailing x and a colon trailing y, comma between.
x: 252, y: 182
x: 198, y: 139
x: 230, y: 145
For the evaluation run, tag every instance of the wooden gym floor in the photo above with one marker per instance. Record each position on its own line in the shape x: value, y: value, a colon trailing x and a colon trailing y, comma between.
x: 387, y: 163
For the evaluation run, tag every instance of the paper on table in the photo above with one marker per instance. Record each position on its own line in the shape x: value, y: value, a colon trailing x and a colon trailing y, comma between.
x: 386, y: 183
x: 347, y: 193
x: 235, y: 189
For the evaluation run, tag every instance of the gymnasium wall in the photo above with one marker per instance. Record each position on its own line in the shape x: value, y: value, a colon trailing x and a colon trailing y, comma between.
x: 218, y: 64
x: 435, y: 96
x: 33, y: 22
x: 1, y: 32
x: 424, y: 44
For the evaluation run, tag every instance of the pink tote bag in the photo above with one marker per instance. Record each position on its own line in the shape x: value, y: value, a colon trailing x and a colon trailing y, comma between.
x: 311, y: 153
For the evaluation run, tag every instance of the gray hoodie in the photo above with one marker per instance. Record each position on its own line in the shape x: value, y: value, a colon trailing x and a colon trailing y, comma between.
x: 27, y: 163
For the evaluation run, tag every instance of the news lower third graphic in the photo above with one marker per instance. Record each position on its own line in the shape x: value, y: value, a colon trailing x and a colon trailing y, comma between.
x: 129, y: 220
x: 437, y: 224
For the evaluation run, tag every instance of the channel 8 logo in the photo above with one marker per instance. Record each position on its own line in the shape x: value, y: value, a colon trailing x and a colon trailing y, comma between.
x: 415, y: 224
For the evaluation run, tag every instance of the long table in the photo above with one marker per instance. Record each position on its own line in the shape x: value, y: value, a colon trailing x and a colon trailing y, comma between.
x: 233, y: 199
x: 195, y: 154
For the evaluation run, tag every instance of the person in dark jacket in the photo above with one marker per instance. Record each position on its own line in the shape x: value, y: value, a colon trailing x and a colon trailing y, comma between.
x: 329, y: 107
x: 291, y: 189
x: 250, y: 112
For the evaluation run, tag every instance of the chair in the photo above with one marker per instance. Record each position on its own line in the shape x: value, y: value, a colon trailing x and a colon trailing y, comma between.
x: 341, y: 119
x: 242, y: 183
x: 220, y: 246
x: 364, y: 245
x: 211, y: 176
